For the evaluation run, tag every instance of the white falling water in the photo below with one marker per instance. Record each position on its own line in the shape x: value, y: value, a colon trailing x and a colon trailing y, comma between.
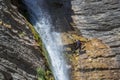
x: 52, y: 40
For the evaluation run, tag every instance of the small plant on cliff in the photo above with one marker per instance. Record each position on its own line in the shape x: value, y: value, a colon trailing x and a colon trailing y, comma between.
x: 41, y: 74
x: 44, y: 74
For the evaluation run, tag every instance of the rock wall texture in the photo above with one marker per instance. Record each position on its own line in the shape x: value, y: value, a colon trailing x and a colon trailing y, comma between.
x: 96, y: 19
x: 99, y: 19
x: 99, y: 22
x: 19, y: 52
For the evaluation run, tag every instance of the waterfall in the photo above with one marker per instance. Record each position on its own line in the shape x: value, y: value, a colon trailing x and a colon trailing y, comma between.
x: 42, y: 22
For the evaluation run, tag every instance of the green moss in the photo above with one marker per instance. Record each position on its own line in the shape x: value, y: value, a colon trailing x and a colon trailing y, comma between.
x: 42, y: 74
x: 22, y: 34
x: 39, y: 41
x: 36, y: 36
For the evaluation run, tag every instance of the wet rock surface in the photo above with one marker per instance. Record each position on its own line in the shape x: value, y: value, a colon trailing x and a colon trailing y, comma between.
x: 19, y: 52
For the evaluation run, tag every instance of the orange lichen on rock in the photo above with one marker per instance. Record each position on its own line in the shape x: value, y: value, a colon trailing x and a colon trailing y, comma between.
x: 96, y: 61
x: 69, y: 40
x: 96, y: 48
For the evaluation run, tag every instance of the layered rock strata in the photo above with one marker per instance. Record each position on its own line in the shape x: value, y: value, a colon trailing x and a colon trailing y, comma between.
x: 20, y: 54
x: 97, y: 19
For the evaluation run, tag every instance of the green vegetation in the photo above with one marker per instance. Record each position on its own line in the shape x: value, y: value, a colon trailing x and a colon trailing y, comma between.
x: 22, y: 34
x: 36, y: 36
x: 42, y: 74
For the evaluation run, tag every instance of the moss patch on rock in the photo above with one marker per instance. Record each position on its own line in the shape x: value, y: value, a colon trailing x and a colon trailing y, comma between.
x: 43, y: 74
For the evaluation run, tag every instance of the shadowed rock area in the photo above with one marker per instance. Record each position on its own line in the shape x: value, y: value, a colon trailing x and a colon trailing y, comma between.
x: 20, y: 54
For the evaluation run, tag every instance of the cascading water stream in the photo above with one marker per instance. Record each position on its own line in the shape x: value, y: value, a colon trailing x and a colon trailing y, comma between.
x: 42, y: 22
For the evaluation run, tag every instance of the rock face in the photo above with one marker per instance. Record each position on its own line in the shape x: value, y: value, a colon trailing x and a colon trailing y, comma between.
x: 98, y: 62
x: 19, y: 53
x: 95, y: 61
x: 97, y: 19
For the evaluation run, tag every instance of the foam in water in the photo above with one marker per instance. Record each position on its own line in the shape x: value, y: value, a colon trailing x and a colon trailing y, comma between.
x: 42, y: 22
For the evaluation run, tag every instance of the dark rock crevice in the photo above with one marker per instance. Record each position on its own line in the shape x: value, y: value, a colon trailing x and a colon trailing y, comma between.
x: 98, y: 69
x: 6, y: 76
